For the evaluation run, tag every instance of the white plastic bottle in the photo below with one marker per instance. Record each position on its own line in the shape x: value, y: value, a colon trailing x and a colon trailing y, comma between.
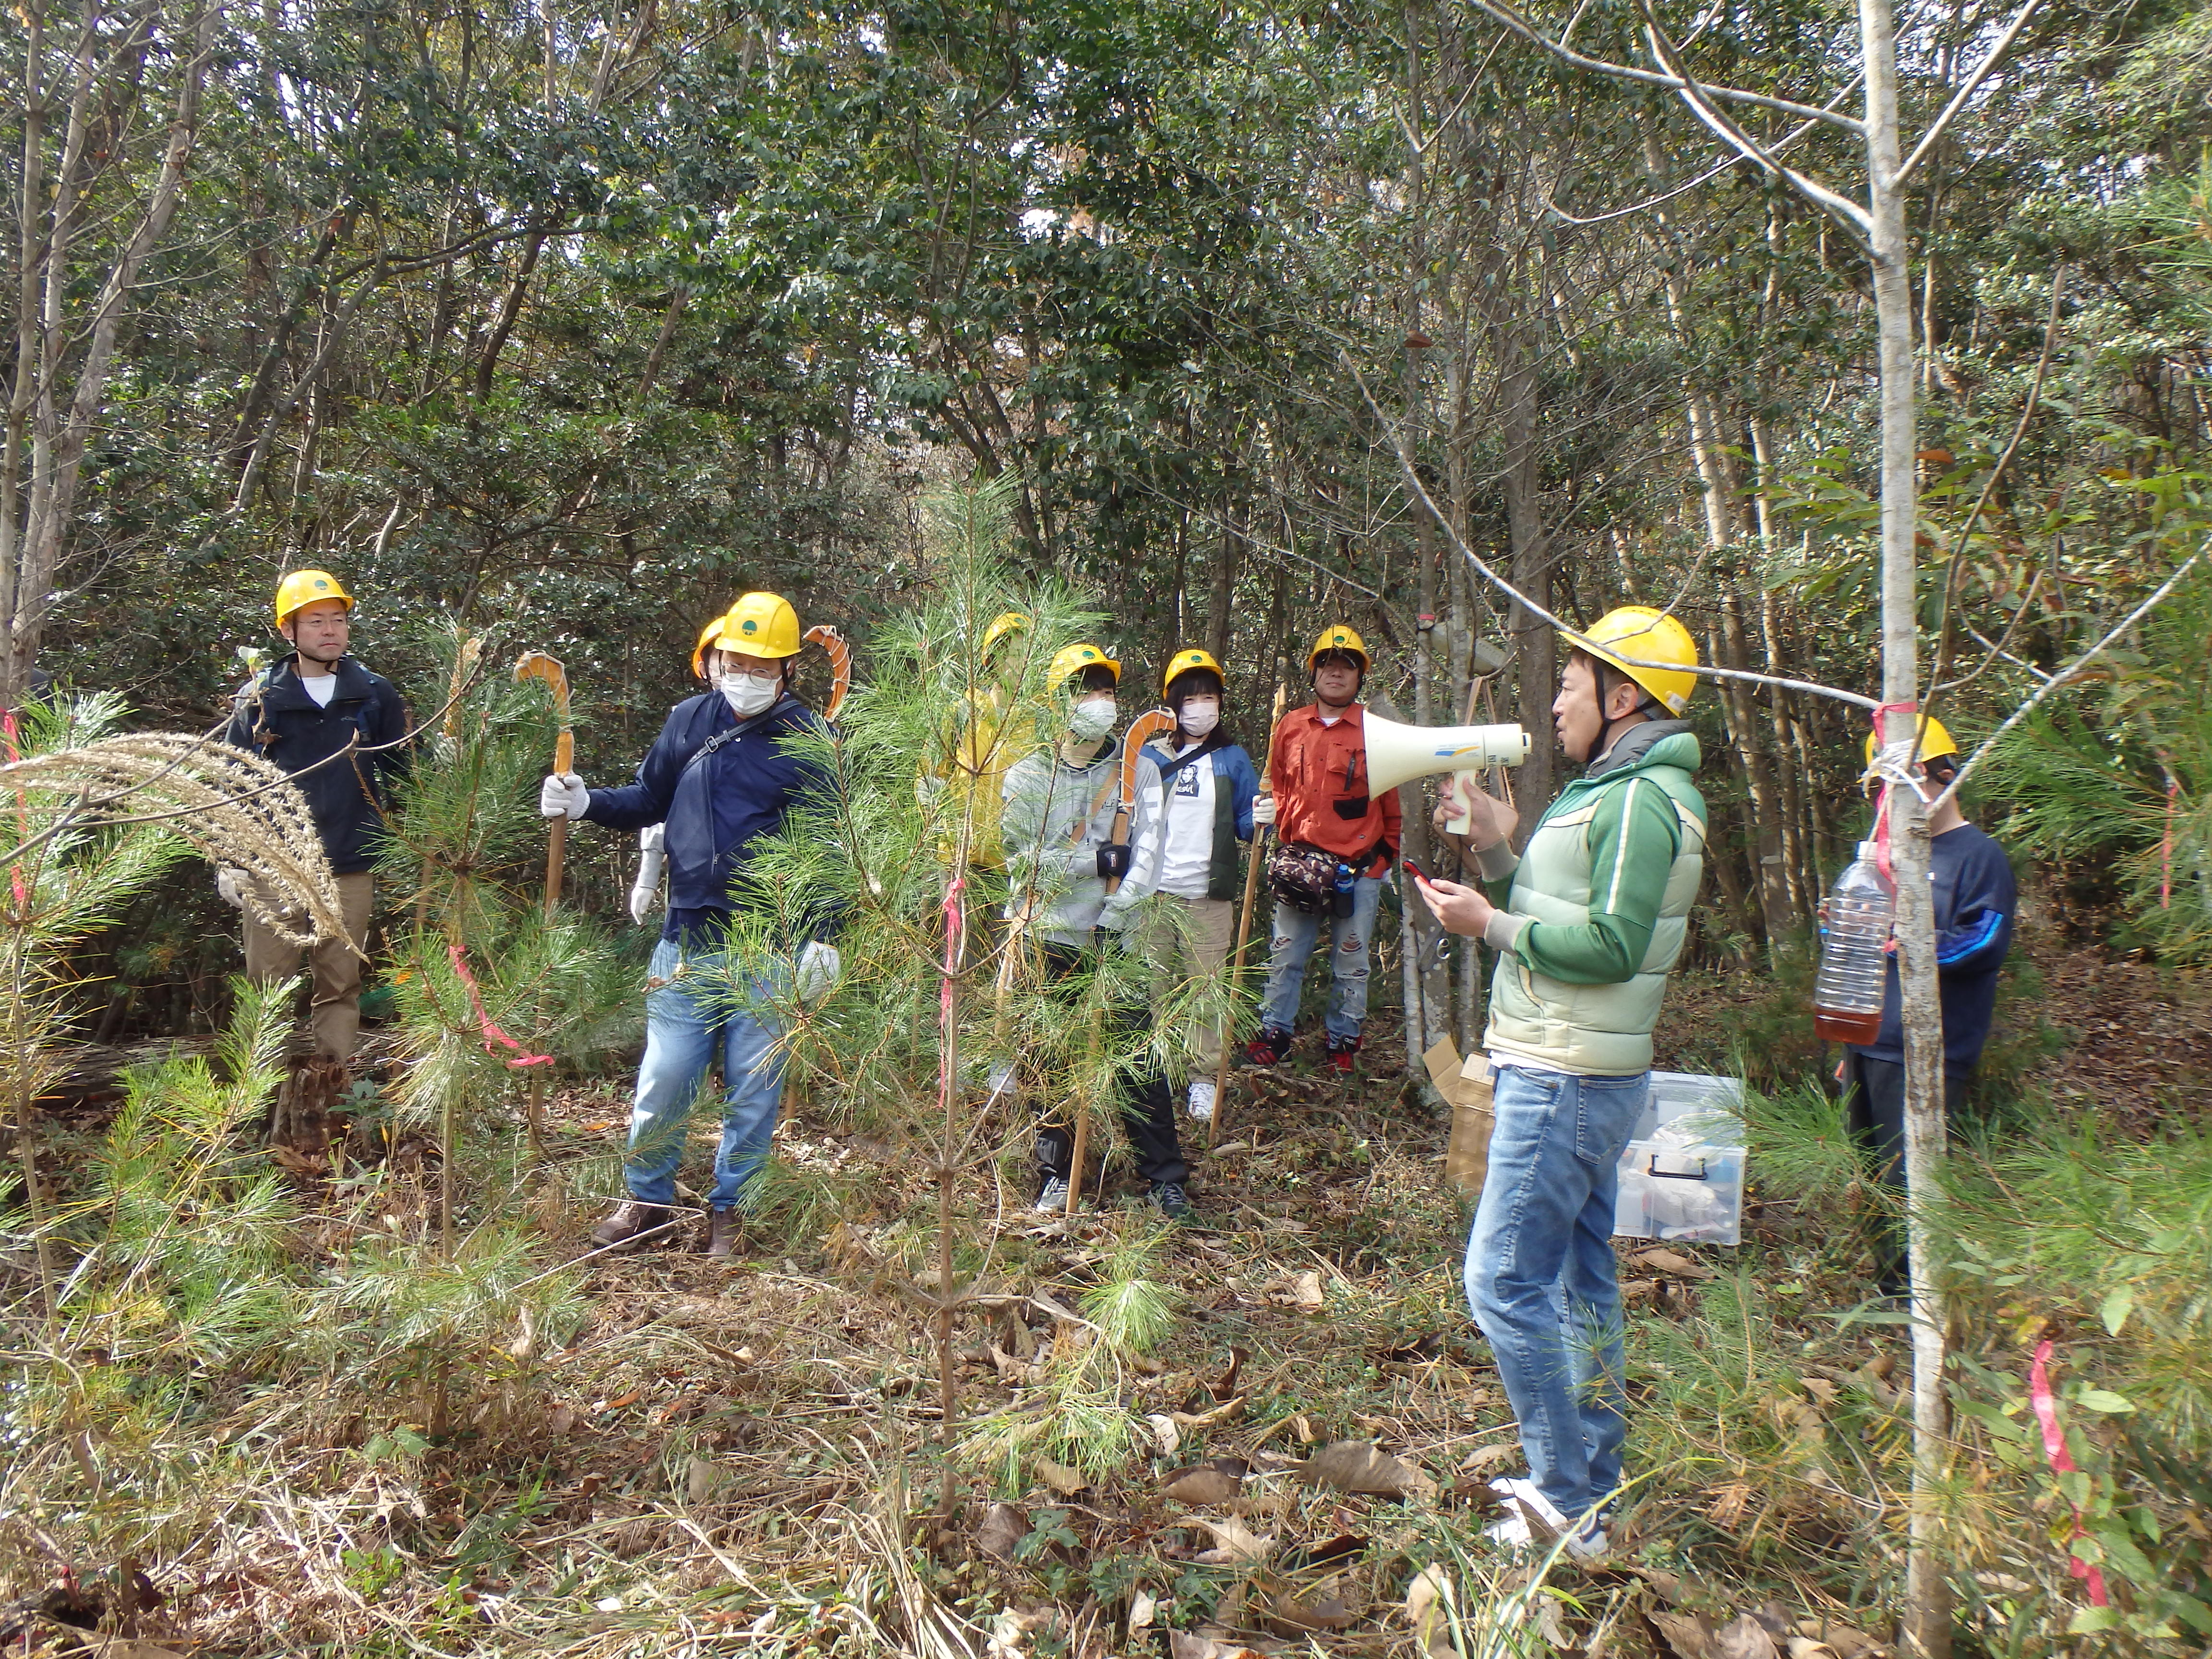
x: 1854, y: 965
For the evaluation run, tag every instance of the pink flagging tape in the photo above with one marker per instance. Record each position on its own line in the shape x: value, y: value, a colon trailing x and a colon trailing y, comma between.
x: 1881, y: 807
x: 492, y: 1034
x: 2061, y: 1462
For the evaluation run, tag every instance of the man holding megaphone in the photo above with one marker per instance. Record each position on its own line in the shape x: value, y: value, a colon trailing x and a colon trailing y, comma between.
x: 1595, y: 911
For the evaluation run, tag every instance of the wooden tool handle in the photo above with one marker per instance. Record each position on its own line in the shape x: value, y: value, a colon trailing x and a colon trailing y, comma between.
x: 556, y: 850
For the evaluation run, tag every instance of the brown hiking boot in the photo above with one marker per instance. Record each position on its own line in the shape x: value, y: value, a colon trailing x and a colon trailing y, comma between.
x: 725, y: 1229
x: 633, y: 1222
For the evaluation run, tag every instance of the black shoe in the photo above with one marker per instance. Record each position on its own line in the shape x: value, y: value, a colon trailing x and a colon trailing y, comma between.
x: 1052, y: 1197
x: 1268, y: 1047
x: 633, y: 1222
x: 1169, y: 1199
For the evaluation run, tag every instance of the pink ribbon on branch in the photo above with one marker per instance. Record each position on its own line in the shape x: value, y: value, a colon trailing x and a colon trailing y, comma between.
x: 492, y: 1034
x: 2061, y: 1462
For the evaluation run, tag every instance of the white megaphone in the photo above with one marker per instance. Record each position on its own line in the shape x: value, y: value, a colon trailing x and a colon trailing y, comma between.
x: 1396, y: 754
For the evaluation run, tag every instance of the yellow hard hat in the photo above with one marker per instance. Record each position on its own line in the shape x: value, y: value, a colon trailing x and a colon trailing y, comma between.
x: 304, y: 587
x: 1934, y: 741
x: 1071, y: 660
x: 1639, y: 632
x: 758, y: 624
x: 1337, y: 637
x: 1183, y: 661
x: 1005, y: 623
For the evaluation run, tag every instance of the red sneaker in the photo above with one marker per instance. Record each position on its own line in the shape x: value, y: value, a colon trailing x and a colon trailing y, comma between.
x: 1268, y: 1047
x: 1340, y: 1051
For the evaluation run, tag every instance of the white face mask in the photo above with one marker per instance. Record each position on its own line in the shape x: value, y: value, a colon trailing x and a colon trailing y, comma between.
x: 746, y: 695
x: 1093, y: 719
x: 1199, y: 716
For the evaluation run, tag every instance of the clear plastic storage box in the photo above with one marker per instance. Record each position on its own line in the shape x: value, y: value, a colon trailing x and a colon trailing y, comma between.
x: 1681, y: 1173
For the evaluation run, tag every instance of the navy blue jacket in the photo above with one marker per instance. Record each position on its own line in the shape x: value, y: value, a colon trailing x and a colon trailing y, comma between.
x: 1976, y: 900
x: 1235, y: 784
x: 717, y: 808
x: 273, y: 716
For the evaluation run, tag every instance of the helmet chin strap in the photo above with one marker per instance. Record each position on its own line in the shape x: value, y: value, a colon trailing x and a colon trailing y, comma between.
x: 1606, y: 722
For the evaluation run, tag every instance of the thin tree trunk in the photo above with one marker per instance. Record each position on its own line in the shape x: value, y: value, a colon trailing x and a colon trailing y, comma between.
x: 1927, y: 1593
x: 1221, y: 592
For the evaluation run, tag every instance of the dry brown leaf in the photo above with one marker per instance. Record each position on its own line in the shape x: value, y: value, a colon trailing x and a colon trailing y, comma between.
x: 1234, y: 1543
x: 1227, y: 1410
x: 1299, y: 1291
x: 1743, y: 1638
x: 1061, y: 1479
x: 1490, y: 1457
x: 1689, y: 1634
x: 1012, y: 1369
x: 1553, y: 1624
x: 1804, y: 1647
x: 1142, y: 1608
x: 1426, y: 1601
x: 1203, y: 1484
x: 701, y: 1476
x: 1672, y: 1261
x: 1164, y: 1430
x: 1004, y: 1526
x: 621, y: 1401
x: 1182, y: 1644
x: 1360, y: 1465
x: 1289, y: 1614
x: 1819, y: 1387
x: 1727, y: 1506
x: 1849, y: 1643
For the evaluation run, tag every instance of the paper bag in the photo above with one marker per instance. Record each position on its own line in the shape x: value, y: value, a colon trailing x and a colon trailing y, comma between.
x: 1466, y: 1088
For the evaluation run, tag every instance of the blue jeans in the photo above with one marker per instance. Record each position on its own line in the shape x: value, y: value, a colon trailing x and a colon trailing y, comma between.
x: 1352, y: 941
x: 1539, y: 1273
x: 688, y: 1023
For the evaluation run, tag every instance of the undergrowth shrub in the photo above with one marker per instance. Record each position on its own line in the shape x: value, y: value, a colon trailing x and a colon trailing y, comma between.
x: 1783, y: 1398
x: 220, y: 1341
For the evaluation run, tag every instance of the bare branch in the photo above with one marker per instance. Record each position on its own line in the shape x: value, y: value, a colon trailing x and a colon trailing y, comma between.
x: 2067, y: 675
x: 1854, y: 218
x: 1420, y: 491
x: 1958, y: 100
x: 1537, y: 37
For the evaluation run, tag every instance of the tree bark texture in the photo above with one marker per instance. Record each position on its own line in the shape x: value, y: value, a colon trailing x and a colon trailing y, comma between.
x: 1927, y: 1632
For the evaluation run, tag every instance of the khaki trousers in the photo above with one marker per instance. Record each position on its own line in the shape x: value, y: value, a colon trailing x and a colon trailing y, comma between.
x: 334, y: 1014
x: 1209, y: 930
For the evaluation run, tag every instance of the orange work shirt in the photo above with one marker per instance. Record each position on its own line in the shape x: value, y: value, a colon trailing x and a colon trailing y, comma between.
x: 1319, y: 776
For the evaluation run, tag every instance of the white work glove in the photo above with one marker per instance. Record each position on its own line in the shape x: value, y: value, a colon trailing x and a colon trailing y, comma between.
x: 562, y: 795
x: 645, y: 893
x: 1263, y: 810
x: 819, y: 967
x: 230, y: 887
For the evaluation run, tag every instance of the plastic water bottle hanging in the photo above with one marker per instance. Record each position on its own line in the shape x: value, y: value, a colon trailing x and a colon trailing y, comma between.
x: 1854, y: 962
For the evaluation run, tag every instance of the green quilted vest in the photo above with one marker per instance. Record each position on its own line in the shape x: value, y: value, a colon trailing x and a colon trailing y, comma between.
x: 1600, y: 1031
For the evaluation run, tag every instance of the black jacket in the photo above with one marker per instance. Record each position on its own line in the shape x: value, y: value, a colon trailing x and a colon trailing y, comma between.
x: 273, y: 717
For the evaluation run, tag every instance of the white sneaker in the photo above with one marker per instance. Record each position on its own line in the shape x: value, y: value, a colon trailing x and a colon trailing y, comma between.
x: 1052, y: 1201
x: 1201, y: 1100
x: 1528, y: 1509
